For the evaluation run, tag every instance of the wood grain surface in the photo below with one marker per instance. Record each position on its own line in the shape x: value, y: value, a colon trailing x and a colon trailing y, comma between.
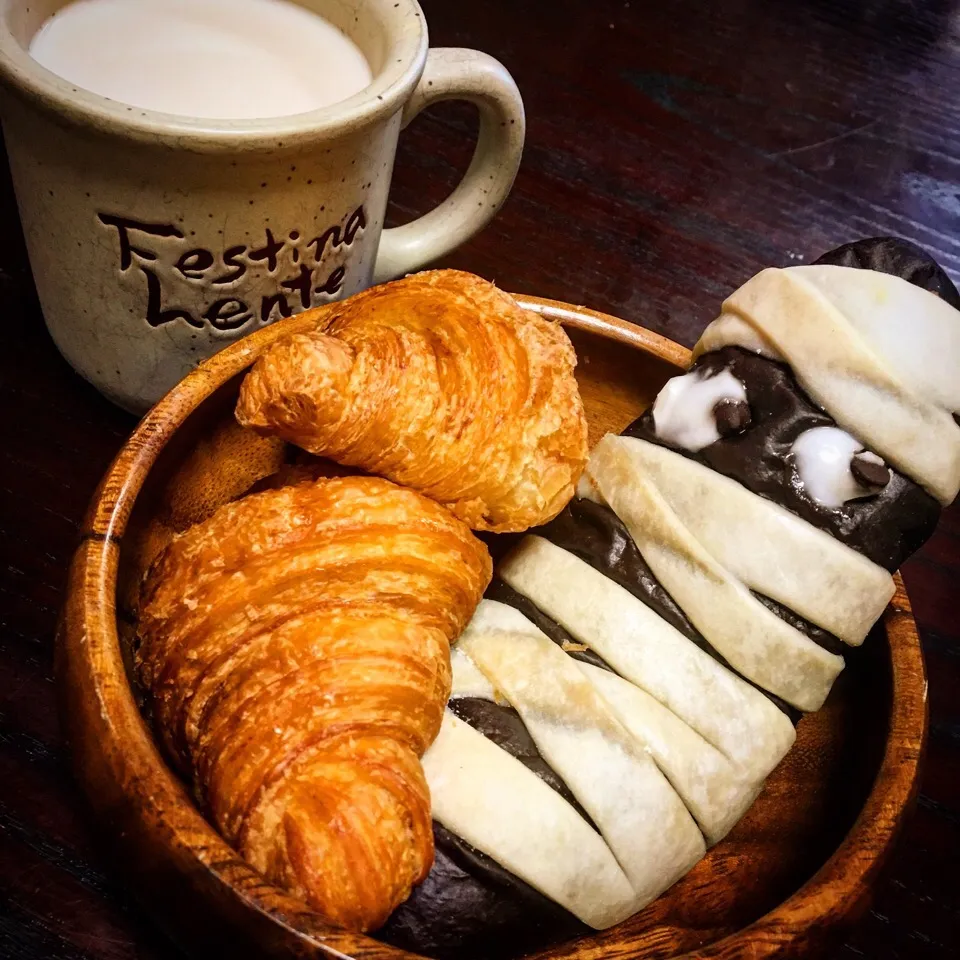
x: 673, y: 149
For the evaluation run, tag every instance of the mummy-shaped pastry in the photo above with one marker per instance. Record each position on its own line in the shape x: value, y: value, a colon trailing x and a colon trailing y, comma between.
x: 640, y: 661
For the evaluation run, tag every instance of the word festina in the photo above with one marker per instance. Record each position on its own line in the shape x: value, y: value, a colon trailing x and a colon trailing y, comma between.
x: 198, y: 266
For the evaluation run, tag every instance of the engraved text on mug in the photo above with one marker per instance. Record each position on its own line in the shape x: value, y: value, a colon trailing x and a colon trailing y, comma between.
x: 246, y: 282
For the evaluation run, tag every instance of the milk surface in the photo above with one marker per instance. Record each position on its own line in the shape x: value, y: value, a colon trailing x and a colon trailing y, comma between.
x: 217, y: 59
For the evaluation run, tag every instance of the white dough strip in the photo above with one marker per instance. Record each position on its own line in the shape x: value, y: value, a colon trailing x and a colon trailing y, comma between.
x: 640, y: 815
x: 768, y: 548
x: 838, y: 368
x: 753, y: 640
x: 642, y: 647
x: 490, y: 799
x: 714, y: 791
x: 911, y: 330
x: 466, y: 679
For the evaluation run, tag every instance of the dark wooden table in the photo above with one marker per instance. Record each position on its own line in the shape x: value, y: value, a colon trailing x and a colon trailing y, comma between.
x: 673, y: 149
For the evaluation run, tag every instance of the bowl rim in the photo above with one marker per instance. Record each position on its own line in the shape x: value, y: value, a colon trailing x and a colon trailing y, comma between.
x: 113, y: 750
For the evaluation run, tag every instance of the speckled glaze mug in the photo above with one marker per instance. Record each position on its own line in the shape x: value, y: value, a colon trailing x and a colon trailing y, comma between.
x: 155, y: 240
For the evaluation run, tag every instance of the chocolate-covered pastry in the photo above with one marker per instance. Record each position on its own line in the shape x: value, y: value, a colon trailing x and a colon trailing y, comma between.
x: 471, y: 907
x: 886, y: 526
x: 636, y: 667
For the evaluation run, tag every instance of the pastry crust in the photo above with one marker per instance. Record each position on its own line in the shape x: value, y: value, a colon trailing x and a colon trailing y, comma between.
x: 440, y: 382
x: 841, y: 331
x: 295, y: 649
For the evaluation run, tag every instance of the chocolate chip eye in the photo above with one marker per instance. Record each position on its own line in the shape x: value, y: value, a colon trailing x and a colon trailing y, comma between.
x: 869, y: 471
x: 732, y: 416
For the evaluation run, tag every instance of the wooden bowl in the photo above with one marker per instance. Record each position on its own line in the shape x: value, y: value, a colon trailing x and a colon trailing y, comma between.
x: 796, y: 867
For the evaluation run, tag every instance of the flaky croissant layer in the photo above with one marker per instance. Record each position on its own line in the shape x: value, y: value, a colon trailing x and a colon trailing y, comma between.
x: 440, y: 382
x: 296, y: 651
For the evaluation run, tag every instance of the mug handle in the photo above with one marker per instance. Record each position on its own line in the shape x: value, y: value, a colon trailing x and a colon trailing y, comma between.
x: 453, y: 73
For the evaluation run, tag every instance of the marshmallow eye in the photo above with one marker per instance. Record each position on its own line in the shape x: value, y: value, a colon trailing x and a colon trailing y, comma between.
x: 694, y: 410
x: 833, y: 468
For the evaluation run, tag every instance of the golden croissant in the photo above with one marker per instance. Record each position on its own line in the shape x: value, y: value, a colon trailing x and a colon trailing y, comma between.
x: 295, y: 649
x: 440, y: 382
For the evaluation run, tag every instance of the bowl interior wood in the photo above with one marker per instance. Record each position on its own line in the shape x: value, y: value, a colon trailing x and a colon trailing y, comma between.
x: 796, y: 865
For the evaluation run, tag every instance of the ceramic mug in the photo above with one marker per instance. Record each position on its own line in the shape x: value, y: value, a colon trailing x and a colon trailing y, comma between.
x: 155, y: 240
